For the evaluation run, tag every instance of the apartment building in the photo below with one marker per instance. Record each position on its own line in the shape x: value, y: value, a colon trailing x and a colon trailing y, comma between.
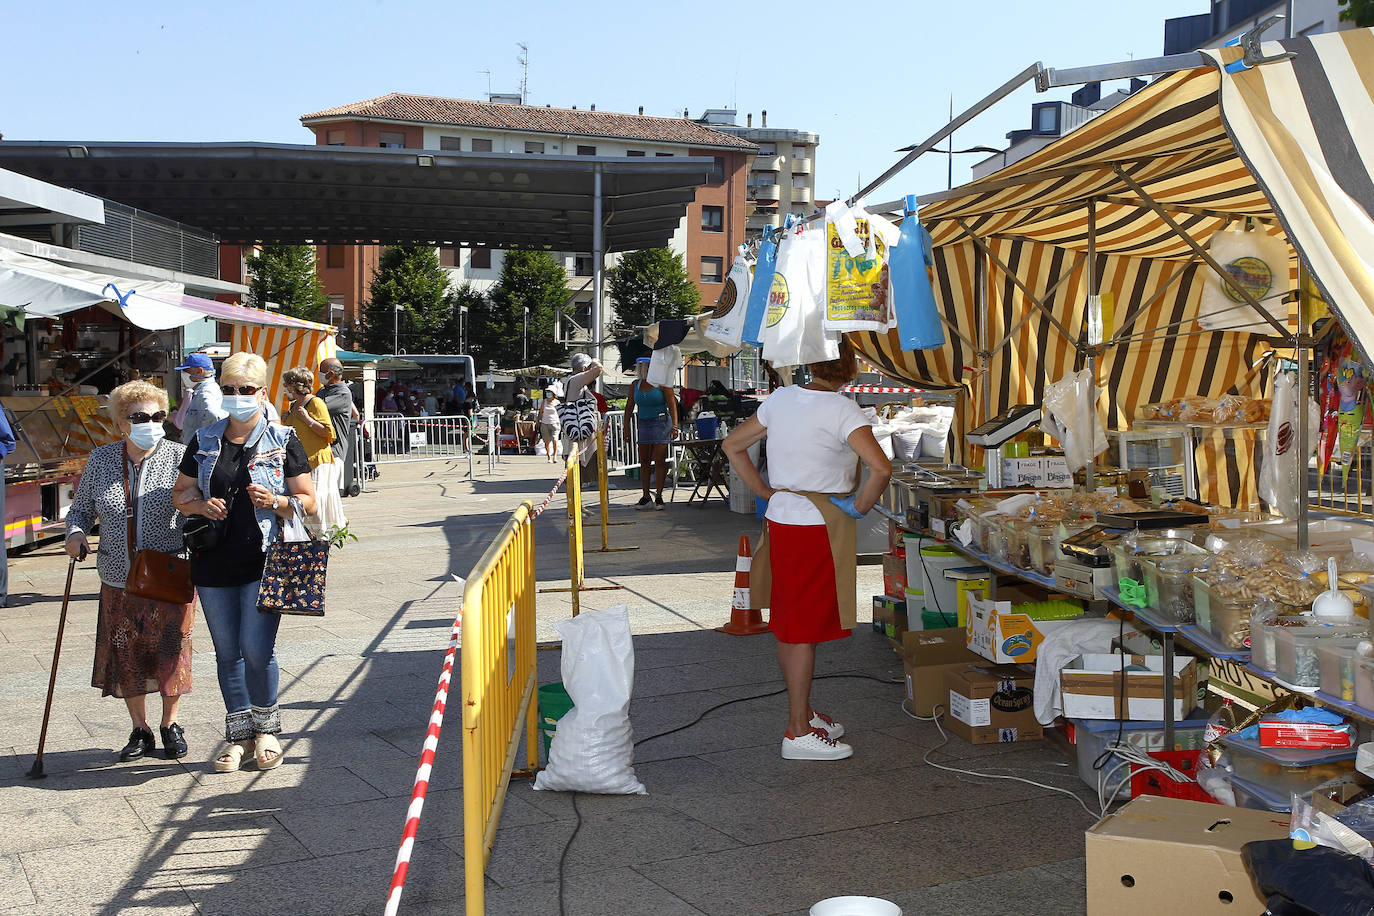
x: 706, y: 238
x: 1227, y: 20
x: 782, y: 177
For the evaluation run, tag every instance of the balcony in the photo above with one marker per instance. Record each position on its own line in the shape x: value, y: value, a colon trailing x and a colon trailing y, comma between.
x: 771, y: 163
x: 766, y: 192
x: 801, y: 166
x: 801, y: 195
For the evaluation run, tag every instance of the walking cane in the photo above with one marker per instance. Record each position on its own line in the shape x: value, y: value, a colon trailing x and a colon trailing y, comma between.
x: 36, y: 771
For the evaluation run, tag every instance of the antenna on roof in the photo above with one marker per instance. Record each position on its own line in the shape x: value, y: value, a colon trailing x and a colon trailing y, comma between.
x: 488, y: 74
x: 523, y: 59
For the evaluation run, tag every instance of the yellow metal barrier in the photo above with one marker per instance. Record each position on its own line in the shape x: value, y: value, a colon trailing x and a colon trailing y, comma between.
x: 499, y: 678
x: 606, y: 498
x: 576, y: 573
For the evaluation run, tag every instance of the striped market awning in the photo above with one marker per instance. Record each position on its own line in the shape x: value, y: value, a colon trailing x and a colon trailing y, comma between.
x: 285, y: 347
x: 1283, y: 145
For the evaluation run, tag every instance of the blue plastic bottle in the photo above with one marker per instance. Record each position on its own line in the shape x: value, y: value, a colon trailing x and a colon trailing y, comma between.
x: 918, y: 315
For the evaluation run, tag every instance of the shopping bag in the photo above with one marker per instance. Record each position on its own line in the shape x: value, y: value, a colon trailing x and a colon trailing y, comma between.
x: 794, y: 333
x: 760, y: 289
x: 856, y: 257
x: 663, y: 366
x: 1256, y: 262
x: 728, y: 328
x: 913, y: 298
x: 577, y: 419
x: 293, y: 577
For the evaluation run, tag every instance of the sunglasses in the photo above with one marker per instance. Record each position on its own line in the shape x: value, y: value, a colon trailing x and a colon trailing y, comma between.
x: 141, y: 417
x: 241, y: 389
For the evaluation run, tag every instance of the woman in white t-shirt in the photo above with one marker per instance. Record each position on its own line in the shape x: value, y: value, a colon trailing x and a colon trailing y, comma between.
x: 548, y: 425
x: 816, y: 438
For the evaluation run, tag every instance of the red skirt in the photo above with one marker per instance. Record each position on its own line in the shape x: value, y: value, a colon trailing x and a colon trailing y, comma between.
x: 802, y: 604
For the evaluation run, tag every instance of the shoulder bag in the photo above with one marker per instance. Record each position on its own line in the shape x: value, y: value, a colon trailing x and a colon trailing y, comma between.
x: 578, y: 418
x: 293, y: 577
x: 153, y: 574
x: 199, y: 533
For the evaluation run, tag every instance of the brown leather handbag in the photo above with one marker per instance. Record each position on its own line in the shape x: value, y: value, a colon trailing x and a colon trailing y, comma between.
x: 153, y: 574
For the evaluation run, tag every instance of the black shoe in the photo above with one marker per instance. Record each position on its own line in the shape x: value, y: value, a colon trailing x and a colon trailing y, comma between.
x: 658, y: 504
x: 140, y: 745
x: 173, y: 741
x: 644, y: 502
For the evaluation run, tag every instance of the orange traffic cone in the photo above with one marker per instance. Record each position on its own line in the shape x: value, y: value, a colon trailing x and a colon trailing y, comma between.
x: 744, y: 620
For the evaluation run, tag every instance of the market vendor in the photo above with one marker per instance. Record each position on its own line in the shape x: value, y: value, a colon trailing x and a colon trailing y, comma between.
x: 816, y: 438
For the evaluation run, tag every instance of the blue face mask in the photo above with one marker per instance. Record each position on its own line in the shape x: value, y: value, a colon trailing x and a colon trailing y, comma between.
x: 242, y: 407
x: 146, y: 435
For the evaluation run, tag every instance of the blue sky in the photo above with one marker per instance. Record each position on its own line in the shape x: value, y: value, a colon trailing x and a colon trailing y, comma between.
x: 868, y: 78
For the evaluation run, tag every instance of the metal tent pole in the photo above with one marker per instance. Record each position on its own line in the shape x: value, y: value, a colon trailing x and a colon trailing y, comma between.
x: 598, y: 259
x: 1090, y: 470
x: 1303, y: 344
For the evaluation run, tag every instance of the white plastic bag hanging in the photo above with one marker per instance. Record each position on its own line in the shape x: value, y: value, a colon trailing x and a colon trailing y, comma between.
x: 856, y: 257
x: 1071, y: 403
x: 1279, y: 467
x: 794, y: 334
x: 1257, y: 262
x: 593, y: 747
x: 728, y: 329
x: 663, y: 366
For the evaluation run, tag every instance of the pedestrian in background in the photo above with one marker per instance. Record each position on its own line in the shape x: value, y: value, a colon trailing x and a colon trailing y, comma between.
x: 250, y: 475
x: 200, y: 396
x: 142, y: 646
x: 814, y: 437
x: 343, y: 416
x: 7, y: 444
x: 310, y: 419
x: 656, y: 407
x: 548, y: 425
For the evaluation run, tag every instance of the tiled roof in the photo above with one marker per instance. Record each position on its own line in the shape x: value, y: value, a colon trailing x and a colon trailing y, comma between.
x: 428, y: 109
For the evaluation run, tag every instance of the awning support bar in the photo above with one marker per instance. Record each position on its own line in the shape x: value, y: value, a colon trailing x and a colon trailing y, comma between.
x: 1201, y: 252
x: 1140, y: 310
x: 1020, y: 284
x: 1006, y: 339
x: 1050, y: 78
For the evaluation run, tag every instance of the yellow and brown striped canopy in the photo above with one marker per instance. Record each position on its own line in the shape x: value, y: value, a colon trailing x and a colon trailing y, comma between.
x: 1175, y: 139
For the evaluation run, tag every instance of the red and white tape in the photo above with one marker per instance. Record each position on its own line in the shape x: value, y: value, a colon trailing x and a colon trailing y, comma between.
x: 878, y: 389
x: 417, y: 794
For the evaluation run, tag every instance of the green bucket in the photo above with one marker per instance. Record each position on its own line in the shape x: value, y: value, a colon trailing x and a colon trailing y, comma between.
x: 554, y: 703
x: 934, y: 620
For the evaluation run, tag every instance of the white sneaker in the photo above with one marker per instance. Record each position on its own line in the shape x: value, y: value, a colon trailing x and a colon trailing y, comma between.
x: 814, y: 745
x: 833, y: 730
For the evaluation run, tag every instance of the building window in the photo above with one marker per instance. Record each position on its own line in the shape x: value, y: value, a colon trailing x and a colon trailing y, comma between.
x: 1047, y: 119
x: 451, y: 143
x: 582, y: 265
x: 586, y: 151
x: 481, y: 259
x: 711, y: 269
x: 448, y: 257
x: 336, y: 310
x: 712, y: 219
x: 798, y: 152
x: 333, y: 256
x: 633, y: 153
x: 717, y: 170
x: 391, y: 139
x: 481, y: 146
x: 336, y: 138
x: 768, y: 149
x: 799, y: 181
x: 533, y: 146
x: 663, y: 155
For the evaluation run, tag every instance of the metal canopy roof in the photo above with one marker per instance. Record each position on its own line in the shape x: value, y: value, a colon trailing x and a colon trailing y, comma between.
x: 283, y: 193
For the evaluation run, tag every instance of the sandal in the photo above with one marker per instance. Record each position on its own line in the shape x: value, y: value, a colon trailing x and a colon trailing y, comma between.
x: 231, y: 758
x: 264, y: 745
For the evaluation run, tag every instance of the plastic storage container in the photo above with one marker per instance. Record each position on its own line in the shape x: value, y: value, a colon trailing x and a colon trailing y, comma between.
x: 1263, y: 644
x: 1364, y: 683
x: 1226, y: 618
x: 1169, y: 583
x: 1295, y: 657
x: 1284, y: 770
x: 1258, y: 798
x: 1042, y: 544
x: 1337, y: 660
x: 1092, y: 736
x: 1018, y: 532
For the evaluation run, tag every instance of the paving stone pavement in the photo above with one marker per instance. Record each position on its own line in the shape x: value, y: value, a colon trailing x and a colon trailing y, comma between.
x: 727, y: 828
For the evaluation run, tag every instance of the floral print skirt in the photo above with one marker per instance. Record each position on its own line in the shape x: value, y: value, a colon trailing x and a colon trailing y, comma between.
x: 141, y: 646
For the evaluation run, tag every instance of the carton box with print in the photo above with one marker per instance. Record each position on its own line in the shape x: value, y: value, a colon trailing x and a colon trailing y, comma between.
x: 991, y: 704
x: 1001, y: 636
x: 926, y: 656
x: 1092, y: 688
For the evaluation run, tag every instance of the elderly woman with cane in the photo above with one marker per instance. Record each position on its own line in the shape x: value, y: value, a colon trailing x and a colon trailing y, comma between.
x: 816, y: 439
x: 246, y: 475
x: 142, y: 645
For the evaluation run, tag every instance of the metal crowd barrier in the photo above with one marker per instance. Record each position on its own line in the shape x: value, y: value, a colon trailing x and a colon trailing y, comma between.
x: 394, y: 439
x: 498, y: 682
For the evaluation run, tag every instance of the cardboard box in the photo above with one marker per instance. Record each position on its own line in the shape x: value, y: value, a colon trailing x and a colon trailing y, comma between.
x: 894, y: 575
x: 1023, y: 472
x: 884, y: 612
x: 1166, y: 855
x: 998, y: 635
x: 1055, y: 470
x: 991, y: 704
x: 1092, y: 688
x: 926, y: 656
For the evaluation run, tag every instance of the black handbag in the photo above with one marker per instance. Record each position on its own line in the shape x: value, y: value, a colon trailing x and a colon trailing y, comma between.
x: 199, y: 533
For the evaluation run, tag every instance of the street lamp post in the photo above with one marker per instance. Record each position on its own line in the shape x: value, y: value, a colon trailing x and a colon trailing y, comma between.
x: 462, y: 328
x: 396, y: 330
x: 527, y: 335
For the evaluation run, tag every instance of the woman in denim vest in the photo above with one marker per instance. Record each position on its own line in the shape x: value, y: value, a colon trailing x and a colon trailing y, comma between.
x: 249, y: 475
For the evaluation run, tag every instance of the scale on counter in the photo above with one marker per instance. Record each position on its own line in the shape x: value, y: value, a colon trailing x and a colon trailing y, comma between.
x: 1002, y: 428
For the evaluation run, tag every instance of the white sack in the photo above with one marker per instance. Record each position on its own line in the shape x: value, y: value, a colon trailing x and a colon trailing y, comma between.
x: 1072, y: 402
x: 1060, y: 647
x: 593, y: 747
x: 663, y: 366
x: 793, y: 334
x: 1280, y: 466
x: 1258, y: 262
x: 728, y: 329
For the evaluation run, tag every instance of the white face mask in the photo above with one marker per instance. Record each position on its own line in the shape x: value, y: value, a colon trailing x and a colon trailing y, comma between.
x: 189, y: 381
x: 242, y: 407
x: 146, y: 435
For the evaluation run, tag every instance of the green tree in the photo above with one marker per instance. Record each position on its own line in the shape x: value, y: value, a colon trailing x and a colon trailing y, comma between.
x: 285, y: 275
x: 529, y: 279
x: 409, y: 277
x: 649, y: 285
x: 1360, y: 12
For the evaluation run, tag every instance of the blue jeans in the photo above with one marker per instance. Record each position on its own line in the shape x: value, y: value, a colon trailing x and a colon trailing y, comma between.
x: 246, y: 655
